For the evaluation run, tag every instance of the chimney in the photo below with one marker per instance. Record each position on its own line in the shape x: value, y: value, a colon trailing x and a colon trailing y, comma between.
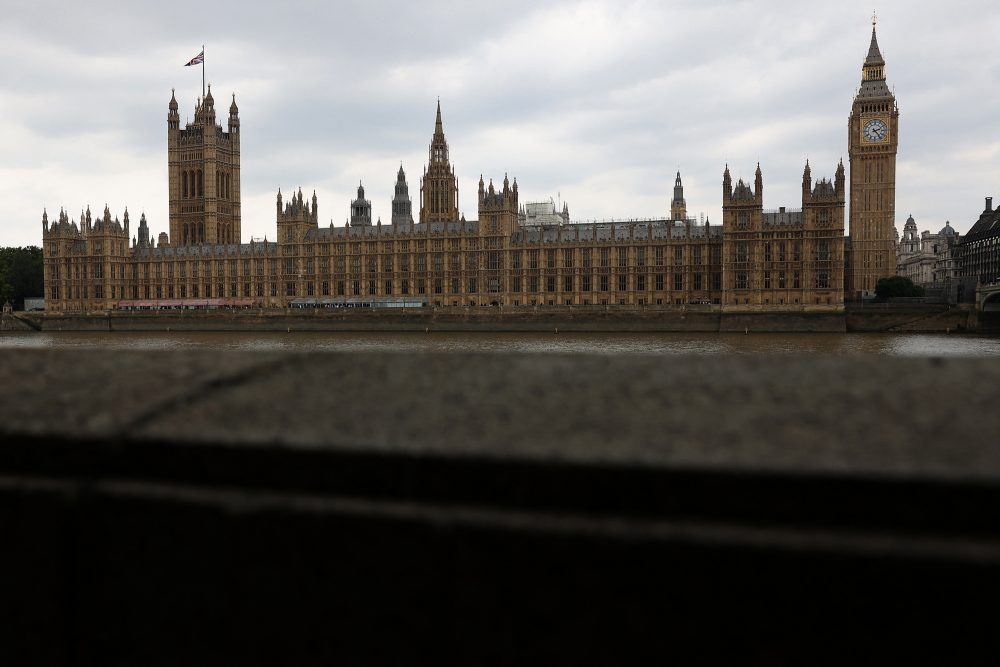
x: 989, y: 204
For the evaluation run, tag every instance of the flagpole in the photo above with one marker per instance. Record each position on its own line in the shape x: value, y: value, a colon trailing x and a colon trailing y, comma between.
x: 202, y: 71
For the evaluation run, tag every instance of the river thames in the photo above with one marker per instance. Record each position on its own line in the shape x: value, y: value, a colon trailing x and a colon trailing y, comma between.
x: 906, y: 345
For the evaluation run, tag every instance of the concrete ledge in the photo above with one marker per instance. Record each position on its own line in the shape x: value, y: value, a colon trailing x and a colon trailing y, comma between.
x: 822, y: 414
x: 165, y: 508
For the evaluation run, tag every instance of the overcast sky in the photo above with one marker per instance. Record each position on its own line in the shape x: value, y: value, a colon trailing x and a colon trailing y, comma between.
x: 599, y: 102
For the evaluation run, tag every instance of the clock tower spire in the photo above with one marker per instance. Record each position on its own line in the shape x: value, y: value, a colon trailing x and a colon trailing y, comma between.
x: 872, y: 145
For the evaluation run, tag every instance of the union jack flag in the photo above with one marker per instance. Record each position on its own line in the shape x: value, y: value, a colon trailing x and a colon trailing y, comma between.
x: 197, y: 60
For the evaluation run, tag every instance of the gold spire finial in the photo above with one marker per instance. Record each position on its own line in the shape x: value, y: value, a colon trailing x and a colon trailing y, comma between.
x: 874, y: 18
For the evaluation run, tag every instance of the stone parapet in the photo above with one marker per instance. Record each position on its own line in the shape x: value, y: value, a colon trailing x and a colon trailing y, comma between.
x: 495, y: 509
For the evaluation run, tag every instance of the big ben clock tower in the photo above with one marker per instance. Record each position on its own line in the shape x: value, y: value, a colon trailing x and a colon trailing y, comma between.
x: 873, y: 137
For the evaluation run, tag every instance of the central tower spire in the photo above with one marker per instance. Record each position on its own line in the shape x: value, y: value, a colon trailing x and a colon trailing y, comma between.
x: 438, y: 187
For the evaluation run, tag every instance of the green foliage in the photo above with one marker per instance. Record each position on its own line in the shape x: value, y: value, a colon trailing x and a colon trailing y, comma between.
x: 20, y: 275
x: 897, y: 286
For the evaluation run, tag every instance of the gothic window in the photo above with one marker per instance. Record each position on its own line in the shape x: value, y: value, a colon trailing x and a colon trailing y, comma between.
x: 550, y: 259
x: 640, y: 256
x: 184, y: 179
x: 640, y: 283
x: 678, y: 281
x: 623, y: 257
x: 605, y: 257
x: 659, y: 255
x: 697, y: 281
x: 742, y: 280
x: 742, y: 252
x: 623, y: 283
x: 742, y: 220
x: 679, y: 255
x: 568, y: 283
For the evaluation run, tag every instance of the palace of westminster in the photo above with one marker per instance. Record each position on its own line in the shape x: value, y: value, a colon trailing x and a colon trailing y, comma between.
x: 755, y: 260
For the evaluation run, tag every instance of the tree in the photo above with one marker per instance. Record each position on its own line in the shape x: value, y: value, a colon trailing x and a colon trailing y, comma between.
x: 897, y: 286
x: 20, y: 274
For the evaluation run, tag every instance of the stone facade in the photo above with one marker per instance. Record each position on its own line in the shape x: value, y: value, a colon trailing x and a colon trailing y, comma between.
x: 784, y: 258
x: 929, y: 260
x: 873, y: 139
x: 757, y: 260
x: 204, y: 175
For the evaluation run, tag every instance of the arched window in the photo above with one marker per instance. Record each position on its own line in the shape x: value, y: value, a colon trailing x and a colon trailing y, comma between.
x: 201, y: 228
x: 184, y: 177
x: 186, y: 232
x: 201, y: 184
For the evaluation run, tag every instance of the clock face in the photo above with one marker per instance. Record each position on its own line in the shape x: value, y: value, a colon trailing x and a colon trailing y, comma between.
x: 875, y: 131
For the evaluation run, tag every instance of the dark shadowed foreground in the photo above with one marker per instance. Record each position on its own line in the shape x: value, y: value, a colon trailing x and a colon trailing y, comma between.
x: 285, y: 508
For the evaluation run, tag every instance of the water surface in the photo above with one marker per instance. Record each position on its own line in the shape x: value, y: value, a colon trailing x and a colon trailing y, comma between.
x: 909, y: 345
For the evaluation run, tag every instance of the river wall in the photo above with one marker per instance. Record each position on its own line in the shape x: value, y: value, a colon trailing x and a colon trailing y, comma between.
x: 903, y: 319
x: 630, y: 320
x: 915, y: 319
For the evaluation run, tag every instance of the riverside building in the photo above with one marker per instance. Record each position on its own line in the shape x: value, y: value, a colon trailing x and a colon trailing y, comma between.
x: 757, y: 259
